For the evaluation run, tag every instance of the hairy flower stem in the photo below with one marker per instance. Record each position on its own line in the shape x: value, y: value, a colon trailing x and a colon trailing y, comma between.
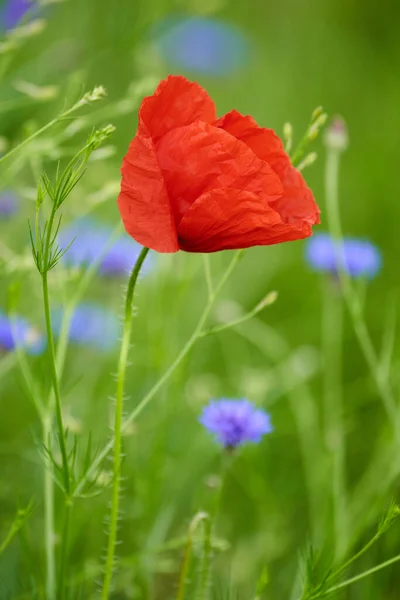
x: 197, y: 333
x: 119, y: 402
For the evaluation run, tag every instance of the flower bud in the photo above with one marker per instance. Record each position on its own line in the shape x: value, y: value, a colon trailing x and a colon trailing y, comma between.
x: 308, y: 161
x: 288, y: 136
x: 336, y: 136
x: 269, y: 299
x: 317, y: 112
x: 316, y: 126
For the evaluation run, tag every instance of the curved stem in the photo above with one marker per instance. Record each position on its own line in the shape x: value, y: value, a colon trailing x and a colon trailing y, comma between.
x: 164, y: 378
x: 351, y: 297
x: 200, y: 518
x: 355, y: 557
x: 119, y: 401
x: 38, y: 132
x: 356, y: 578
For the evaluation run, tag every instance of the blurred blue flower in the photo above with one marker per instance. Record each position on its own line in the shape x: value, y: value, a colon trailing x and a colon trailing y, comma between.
x: 91, y: 325
x: 8, y: 203
x: 90, y: 240
x: 360, y: 257
x: 202, y: 44
x: 17, y: 331
x: 12, y: 12
x: 235, y: 422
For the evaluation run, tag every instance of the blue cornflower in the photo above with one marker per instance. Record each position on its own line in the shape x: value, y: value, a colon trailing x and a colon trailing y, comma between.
x: 12, y: 12
x: 202, y: 44
x: 360, y: 257
x: 8, y: 203
x: 17, y: 331
x: 235, y: 422
x: 91, y: 325
x: 90, y: 240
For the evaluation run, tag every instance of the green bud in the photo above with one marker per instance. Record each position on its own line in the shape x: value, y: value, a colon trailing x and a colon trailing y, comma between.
x: 308, y: 161
x: 317, y: 112
x: 288, y: 136
x: 98, y: 93
x: 269, y: 299
x: 314, y: 129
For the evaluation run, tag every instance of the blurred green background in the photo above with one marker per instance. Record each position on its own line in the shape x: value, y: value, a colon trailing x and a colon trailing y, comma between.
x: 344, y: 55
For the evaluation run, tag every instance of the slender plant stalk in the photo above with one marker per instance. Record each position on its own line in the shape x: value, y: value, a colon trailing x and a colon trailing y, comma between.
x: 61, y: 436
x: 49, y: 514
x: 119, y: 402
x: 333, y: 408
x: 207, y: 272
x: 64, y: 549
x: 55, y: 383
x: 350, y: 295
x: 48, y: 483
x: 163, y: 379
x: 363, y: 550
x: 200, y: 518
x: 344, y: 584
x: 48, y: 492
x: 204, y: 585
x: 37, y: 133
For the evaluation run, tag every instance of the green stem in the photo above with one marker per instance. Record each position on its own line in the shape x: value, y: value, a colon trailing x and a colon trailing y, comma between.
x: 238, y: 321
x: 40, y: 131
x: 196, y: 522
x: 203, y: 590
x: 64, y: 549
x: 46, y: 424
x: 53, y: 369
x: 49, y: 514
x: 335, y: 440
x: 207, y: 272
x: 355, y: 557
x: 119, y: 401
x: 164, y: 378
x: 349, y: 293
x: 356, y: 578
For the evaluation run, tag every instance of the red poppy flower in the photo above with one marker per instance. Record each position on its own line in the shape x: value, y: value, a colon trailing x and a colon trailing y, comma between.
x: 193, y: 182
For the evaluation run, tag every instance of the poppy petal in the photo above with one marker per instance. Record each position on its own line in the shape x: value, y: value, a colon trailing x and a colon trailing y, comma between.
x: 297, y: 205
x: 143, y: 201
x: 264, y: 142
x: 199, y: 157
x: 227, y: 219
x: 175, y: 103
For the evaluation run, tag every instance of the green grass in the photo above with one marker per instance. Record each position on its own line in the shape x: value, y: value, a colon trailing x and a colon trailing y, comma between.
x: 305, y: 358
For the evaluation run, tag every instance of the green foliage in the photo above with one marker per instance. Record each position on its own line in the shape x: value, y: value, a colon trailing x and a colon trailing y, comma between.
x: 312, y: 478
